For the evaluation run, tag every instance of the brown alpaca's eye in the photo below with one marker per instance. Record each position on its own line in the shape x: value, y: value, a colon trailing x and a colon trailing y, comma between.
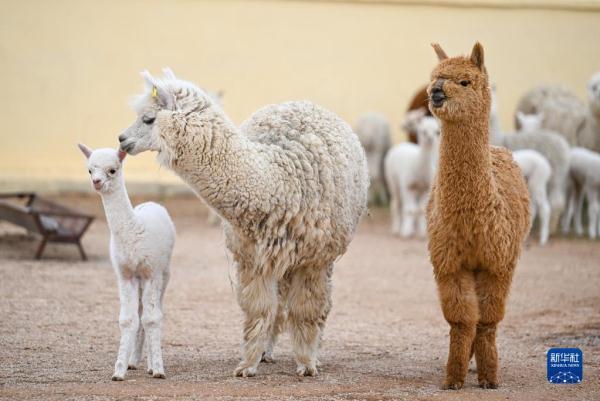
x: 464, y: 82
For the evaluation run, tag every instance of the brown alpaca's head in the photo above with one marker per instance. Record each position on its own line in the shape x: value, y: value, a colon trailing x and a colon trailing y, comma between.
x: 459, y: 88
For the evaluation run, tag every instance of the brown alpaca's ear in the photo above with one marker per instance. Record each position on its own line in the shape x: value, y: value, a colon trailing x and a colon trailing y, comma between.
x: 477, y: 56
x: 439, y: 51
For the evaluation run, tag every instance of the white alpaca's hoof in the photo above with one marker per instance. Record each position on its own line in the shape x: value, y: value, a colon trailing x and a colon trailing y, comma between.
x: 267, y: 358
x: 244, y: 371
x: 159, y: 375
x: 117, y: 378
x: 302, y: 370
x: 149, y: 371
x: 131, y: 367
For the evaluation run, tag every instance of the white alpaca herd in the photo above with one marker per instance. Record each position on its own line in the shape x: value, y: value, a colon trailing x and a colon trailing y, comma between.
x: 290, y: 185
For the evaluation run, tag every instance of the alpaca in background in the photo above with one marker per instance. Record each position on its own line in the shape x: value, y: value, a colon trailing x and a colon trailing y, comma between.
x: 550, y: 145
x: 584, y: 183
x: 537, y: 172
x: 141, y: 243
x: 409, y: 171
x: 373, y: 131
x: 477, y: 217
x: 290, y: 185
x: 565, y: 113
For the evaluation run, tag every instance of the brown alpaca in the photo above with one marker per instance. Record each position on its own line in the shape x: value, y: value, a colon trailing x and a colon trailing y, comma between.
x: 477, y: 217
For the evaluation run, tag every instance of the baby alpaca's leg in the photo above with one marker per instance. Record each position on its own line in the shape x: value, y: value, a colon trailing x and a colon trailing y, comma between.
x: 136, y: 355
x: 257, y: 296
x: 309, y: 303
x: 128, y: 322
x: 410, y: 208
x: 166, y: 274
x: 580, y: 194
x: 152, y: 321
x: 422, y: 219
x: 593, y: 211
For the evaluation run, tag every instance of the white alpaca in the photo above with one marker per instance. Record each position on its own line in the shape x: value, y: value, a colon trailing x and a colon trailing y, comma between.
x: 530, y: 122
x: 373, y: 131
x: 566, y: 114
x: 550, y: 145
x: 537, y: 172
x: 141, y: 243
x: 290, y: 185
x: 409, y: 171
x: 584, y: 182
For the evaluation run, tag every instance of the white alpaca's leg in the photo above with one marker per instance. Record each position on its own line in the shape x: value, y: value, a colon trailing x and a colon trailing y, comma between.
x: 410, y: 207
x: 279, y: 323
x: 569, y: 210
x: 136, y: 355
x: 152, y: 316
x: 543, y: 211
x: 593, y: 211
x: 309, y: 303
x: 257, y: 296
x: 580, y: 195
x: 395, y: 206
x: 129, y: 322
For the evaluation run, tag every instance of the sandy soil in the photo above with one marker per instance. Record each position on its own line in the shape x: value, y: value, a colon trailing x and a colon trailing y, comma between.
x: 385, y: 338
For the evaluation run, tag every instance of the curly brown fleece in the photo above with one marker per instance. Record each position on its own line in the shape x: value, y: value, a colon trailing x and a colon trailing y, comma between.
x: 478, y: 217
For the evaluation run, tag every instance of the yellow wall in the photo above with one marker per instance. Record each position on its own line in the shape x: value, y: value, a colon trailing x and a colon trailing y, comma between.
x: 68, y: 68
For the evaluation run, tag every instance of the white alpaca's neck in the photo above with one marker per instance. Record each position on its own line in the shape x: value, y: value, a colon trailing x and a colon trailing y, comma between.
x: 220, y: 164
x: 427, y: 160
x: 118, y: 209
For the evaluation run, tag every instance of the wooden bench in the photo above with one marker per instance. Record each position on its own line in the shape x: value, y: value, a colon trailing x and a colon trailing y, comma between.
x: 53, y: 222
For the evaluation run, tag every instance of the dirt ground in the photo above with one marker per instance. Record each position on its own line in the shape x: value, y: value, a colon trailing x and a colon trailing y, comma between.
x: 385, y: 339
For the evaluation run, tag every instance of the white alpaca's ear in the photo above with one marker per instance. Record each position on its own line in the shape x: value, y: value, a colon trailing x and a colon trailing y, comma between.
x: 158, y: 91
x: 85, y: 150
x: 122, y: 155
x: 520, y: 117
x: 168, y: 73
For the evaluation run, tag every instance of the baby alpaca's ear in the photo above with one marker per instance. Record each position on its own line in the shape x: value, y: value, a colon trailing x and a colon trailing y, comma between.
x: 122, y: 155
x: 477, y: 56
x: 520, y: 116
x: 85, y: 150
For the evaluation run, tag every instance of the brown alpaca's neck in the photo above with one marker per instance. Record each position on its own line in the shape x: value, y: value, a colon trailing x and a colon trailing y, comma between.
x: 464, y: 172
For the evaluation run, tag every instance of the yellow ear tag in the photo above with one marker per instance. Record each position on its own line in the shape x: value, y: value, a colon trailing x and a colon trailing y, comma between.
x: 154, y: 92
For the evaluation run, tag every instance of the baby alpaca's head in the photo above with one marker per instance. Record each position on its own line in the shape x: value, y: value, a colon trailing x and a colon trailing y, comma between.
x: 459, y: 88
x: 530, y: 122
x: 105, y: 168
x: 428, y: 131
x: 593, y: 90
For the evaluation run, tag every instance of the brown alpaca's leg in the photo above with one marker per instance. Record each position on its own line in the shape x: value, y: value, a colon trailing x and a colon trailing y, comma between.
x: 492, y: 292
x: 309, y: 303
x: 257, y: 296
x: 459, y: 304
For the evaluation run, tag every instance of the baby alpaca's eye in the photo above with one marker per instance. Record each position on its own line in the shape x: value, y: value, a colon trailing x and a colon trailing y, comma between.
x: 90, y: 171
x: 465, y: 82
x: 148, y: 120
x: 112, y: 171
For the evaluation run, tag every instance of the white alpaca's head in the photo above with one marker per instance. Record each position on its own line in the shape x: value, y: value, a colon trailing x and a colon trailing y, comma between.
x: 162, y: 97
x: 428, y: 131
x: 412, y: 118
x: 593, y: 91
x: 530, y: 122
x: 105, y: 167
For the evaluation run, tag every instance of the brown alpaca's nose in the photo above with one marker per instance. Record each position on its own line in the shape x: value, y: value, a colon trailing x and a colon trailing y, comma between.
x: 437, y: 97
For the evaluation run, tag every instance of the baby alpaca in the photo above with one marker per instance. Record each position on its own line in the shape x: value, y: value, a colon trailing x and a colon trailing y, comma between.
x: 537, y: 172
x: 584, y: 182
x: 477, y: 217
x: 409, y: 171
x: 530, y: 122
x: 141, y: 243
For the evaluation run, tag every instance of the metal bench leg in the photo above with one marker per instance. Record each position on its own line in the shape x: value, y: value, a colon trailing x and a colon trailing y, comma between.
x: 38, y: 254
x: 81, y: 251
